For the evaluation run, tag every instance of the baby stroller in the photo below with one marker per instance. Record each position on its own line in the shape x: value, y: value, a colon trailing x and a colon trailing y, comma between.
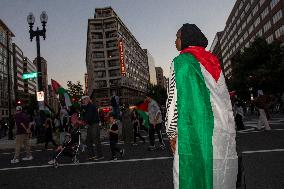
x: 70, y: 147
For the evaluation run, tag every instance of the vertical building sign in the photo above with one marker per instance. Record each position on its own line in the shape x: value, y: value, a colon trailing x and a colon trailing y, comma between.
x: 121, y: 56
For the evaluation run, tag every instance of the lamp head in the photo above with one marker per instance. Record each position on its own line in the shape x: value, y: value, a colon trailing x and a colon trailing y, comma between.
x: 31, y: 18
x: 43, y: 17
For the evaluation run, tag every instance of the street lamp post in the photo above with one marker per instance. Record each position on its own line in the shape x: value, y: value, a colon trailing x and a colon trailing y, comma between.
x: 37, y: 33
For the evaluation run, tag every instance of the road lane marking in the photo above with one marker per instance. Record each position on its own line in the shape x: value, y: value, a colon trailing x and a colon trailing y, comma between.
x: 262, y: 151
x: 256, y: 131
x: 102, y: 143
x: 88, y: 163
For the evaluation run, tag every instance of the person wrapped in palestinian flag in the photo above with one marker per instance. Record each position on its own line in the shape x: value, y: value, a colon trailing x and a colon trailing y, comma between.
x: 199, y: 121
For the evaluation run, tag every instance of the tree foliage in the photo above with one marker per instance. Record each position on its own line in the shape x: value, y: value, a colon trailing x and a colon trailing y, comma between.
x: 75, y: 89
x: 259, y: 66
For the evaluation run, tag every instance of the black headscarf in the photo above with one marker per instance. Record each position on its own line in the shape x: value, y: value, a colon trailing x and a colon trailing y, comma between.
x: 191, y: 35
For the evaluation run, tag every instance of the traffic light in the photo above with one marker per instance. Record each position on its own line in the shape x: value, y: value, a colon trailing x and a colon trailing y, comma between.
x: 19, y: 102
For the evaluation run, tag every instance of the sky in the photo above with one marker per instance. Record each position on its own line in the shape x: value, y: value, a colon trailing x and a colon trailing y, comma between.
x: 154, y: 24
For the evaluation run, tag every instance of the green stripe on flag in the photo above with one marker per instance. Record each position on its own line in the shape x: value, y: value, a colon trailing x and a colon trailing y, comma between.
x: 195, y: 125
x: 145, y: 117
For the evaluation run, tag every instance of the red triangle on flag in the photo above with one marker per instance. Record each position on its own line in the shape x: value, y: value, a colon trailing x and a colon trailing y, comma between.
x: 55, y: 85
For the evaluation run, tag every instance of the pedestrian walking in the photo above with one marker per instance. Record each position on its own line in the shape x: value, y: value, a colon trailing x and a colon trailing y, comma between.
x: 136, y: 127
x: 38, y: 124
x: 115, y: 105
x: 127, y: 129
x: 113, y: 138
x: 155, y: 119
x: 91, y: 117
x: 49, y: 133
x: 22, y: 135
x: 200, y: 122
x: 239, y: 115
x: 262, y: 102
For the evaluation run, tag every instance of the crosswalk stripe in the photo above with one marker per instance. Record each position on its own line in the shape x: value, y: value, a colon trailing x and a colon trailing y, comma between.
x: 89, y: 163
x: 263, y: 151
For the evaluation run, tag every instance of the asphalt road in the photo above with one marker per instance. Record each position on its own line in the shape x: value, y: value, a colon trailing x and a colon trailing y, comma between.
x: 139, y: 169
x: 262, y: 157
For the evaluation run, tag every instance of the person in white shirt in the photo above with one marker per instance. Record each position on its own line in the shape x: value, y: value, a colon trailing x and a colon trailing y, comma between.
x: 155, y: 119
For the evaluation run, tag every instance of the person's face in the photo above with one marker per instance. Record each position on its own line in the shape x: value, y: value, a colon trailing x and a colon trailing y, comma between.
x: 111, y: 119
x: 178, y: 40
x: 85, y: 101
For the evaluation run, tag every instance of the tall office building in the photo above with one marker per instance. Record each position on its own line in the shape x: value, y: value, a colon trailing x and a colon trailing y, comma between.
x: 30, y: 85
x: 216, y: 47
x: 18, y: 59
x: 247, y: 20
x: 115, y: 61
x: 6, y: 72
x: 53, y: 101
x: 160, y: 76
x: 152, y: 71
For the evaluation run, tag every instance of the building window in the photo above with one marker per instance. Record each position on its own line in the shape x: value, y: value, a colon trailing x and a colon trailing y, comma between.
x: 277, y: 16
x: 241, y: 40
x: 259, y: 33
x: 247, y: 7
x: 245, y: 35
x: 236, y: 13
x: 114, y: 73
x: 261, y: 2
x: 113, y: 63
x: 264, y: 13
x: 254, y: 11
x: 244, y: 25
x: 239, y: 31
x: 98, y: 45
x: 241, y: 5
x: 250, y: 29
x: 99, y: 64
x: 98, y: 55
x: 273, y: 3
x: 242, y: 15
x: 100, y: 84
x: 279, y: 32
x: 99, y: 74
x: 269, y: 39
x: 256, y: 22
x: 114, y: 82
x: 249, y: 18
x: 266, y: 27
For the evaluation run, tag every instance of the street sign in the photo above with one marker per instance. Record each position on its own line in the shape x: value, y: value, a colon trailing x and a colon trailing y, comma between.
x: 40, y: 96
x: 30, y: 75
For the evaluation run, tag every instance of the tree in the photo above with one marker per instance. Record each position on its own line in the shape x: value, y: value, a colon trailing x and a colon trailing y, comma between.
x: 158, y: 93
x: 75, y: 90
x: 259, y: 67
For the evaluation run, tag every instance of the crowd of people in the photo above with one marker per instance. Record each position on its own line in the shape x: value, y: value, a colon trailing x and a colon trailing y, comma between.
x: 124, y: 125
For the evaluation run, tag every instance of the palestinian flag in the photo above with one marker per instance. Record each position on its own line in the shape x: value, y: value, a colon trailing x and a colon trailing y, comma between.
x: 62, y: 92
x: 142, y: 110
x: 205, y: 156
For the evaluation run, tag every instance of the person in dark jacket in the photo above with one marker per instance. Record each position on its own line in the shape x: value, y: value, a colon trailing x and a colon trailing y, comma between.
x: 136, y: 127
x: 91, y: 117
x: 48, y: 133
